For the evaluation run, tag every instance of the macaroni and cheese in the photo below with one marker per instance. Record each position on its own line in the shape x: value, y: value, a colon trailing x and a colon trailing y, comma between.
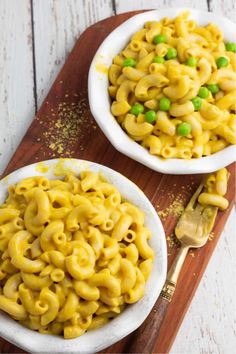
x: 215, y: 187
x: 73, y: 253
x: 173, y: 88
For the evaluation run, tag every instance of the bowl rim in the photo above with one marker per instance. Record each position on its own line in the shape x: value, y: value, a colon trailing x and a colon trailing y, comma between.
x: 110, y: 127
x: 105, y: 336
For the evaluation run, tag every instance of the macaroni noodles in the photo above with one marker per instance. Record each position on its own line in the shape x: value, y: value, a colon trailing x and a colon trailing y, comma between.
x: 73, y: 253
x: 176, y: 79
x: 215, y: 189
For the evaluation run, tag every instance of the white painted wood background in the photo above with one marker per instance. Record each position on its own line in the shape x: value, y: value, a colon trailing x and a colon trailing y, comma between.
x: 35, y: 39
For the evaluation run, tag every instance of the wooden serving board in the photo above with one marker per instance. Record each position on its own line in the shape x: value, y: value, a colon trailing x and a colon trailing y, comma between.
x: 64, y: 127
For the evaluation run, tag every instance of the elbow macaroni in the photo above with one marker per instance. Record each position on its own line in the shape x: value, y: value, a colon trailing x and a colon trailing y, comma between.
x: 73, y: 254
x: 146, y: 81
x: 215, y: 190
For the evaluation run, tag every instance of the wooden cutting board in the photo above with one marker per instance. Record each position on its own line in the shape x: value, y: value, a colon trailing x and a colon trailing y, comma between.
x: 64, y: 127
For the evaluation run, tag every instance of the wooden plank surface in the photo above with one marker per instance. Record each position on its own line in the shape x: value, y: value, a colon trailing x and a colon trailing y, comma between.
x: 68, y: 90
x: 222, y: 7
x: 17, y: 106
x: 64, y: 21
x: 124, y: 5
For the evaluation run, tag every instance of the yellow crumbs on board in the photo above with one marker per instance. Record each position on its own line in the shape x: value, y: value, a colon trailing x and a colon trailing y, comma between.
x: 211, y: 236
x: 69, y: 125
x: 175, y: 208
x: 173, y: 241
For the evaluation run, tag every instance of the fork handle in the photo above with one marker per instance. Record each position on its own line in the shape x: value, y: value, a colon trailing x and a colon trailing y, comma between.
x: 144, y: 338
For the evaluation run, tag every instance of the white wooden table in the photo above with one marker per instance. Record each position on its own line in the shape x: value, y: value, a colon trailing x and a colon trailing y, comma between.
x: 35, y: 39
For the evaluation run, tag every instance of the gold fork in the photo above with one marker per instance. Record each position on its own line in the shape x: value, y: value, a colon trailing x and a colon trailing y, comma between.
x: 192, y: 230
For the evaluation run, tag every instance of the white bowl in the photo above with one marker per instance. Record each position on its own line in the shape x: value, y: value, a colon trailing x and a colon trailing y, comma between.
x: 100, y: 103
x: 134, y: 315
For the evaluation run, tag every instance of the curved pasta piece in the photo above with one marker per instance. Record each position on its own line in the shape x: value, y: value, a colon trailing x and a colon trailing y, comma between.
x: 111, y: 247
x: 50, y: 299
x: 79, y: 214
x: 73, y: 331
x: 29, y: 302
x: 8, y: 214
x: 193, y: 91
x: 69, y: 308
x: 147, y: 82
x: 121, y: 227
x: 211, y: 112
x: 136, y: 129
x: 144, y: 63
x: 119, y: 108
x: 86, y: 291
x: 222, y: 74
x: 12, y: 308
x: 137, y: 291
x: 133, y: 74
x: 204, y: 70
x: 106, y: 280
x: 113, y: 73
x: 178, y: 110
x: 132, y: 253
x: 96, y: 240
x: 153, y: 143
x: 29, y: 215
x: 142, y: 235
x: 88, y: 308
x: 16, y: 247
x: 35, y: 282
x: 164, y: 124
x: 213, y: 200
x: 228, y: 101
x: 146, y: 267
x: 221, y: 181
x: 180, y: 88
x: 10, y: 289
x: 228, y: 134
x: 52, y: 236
x: 127, y: 275
x: 80, y: 265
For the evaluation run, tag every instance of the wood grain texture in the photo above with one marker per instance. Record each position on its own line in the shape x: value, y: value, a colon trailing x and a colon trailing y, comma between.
x: 17, y: 104
x: 57, y: 25
x: 159, y: 188
x: 225, y: 8
x: 124, y: 5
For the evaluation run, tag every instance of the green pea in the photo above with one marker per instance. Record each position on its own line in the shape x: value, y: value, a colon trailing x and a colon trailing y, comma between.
x: 171, y: 53
x: 129, y: 62
x: 222, y: 62
x: 158, y: 60
x: 230, y: 47
x: 197, y: 102
x: 160, y: 38
x: 191, y: 62
x: 164, y: 104
x: 136, y: 109
x: 213, y: 88
x: 203, y: 92
x: 184, y: 129
x: 150, y: 116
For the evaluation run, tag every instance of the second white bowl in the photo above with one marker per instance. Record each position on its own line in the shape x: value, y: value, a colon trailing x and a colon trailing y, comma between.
x: 133, y: 315
x: 100, y: 103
